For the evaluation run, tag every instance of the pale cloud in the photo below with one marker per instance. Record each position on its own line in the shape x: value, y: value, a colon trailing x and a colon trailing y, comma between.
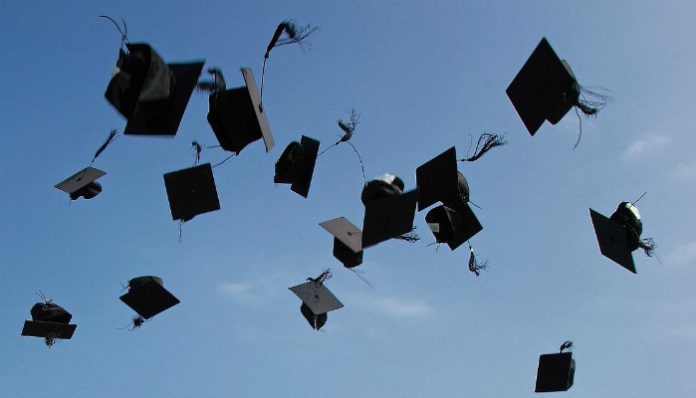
x: 684, y: 172
x: 394, y: 306
x: 250, y: 294
x: 682, y: 254
x: 645, y: 145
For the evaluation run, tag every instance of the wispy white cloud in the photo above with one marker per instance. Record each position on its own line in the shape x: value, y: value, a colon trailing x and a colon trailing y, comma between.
x: 648, y: 143
x: 394, y: 306
x: 249, y: 294
x: 682, y: 254
x: 684, y: 172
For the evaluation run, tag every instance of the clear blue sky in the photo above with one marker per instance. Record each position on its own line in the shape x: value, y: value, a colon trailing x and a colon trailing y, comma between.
x: 422, y: 76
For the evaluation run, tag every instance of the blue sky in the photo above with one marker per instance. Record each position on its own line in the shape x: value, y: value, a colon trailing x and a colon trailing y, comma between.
x: 422, y: 77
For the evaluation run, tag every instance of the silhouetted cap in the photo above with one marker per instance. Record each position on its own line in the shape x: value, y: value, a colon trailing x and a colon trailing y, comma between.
x: 82, y: 184
x: 148, y: 297
x: 296, y: 165
x: 613, y: 241
x: 439, y: 180
x: 387, y: 215
x: 347, y: 246
x: 237, y: 117
x: 152, y: 95
x: 382, y: 186
x: 317, y: 300
x: 544, y: 89
x: 453, y: 226
x: 555, y: 372
x: 191, y: 192
x: 49, y: 321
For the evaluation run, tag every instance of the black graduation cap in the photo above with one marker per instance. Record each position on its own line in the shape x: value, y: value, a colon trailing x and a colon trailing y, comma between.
x: 317, y: 300
x: 49, y: 321
x: 82, y: 184
x: 347, y: 246
x: 237, y: 116
x: 191, y: 192
x: 555, y: 371
x: 296, y: 165
x: 612, y: 239
x: 439, y: 180
x: 148, y: 297
x: 152, y: 95
x: 453, y: 226
x: 388, y: 212
x: 544, y: 89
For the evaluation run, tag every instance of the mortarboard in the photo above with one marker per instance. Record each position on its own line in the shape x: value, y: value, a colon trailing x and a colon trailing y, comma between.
x: 49, y: 321
x: 555, y: 372
x: 317, y: 300
x: 544, y: 89
x: 82, y: 184
x: 347, y: 246
x: 148, y: 297
x: 453, y: 226
x: 237, y: 117
x: 439, y: 180
x: 296, y: 165
x: 191, y: 192
x: 388, y: 217
x: 152, y: 95
x: 613, y: 240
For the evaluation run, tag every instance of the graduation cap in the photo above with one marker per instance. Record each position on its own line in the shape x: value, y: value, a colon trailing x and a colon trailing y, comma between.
x: 439, y: 181
x: 555, y: 371
x: 152, y: 95
x: 296, y: 165
x: 388, y: 212
x: 453, y: 226
x: 317, y: 300
x: 619, y: 235
x: 191, y: 192
x: 546, y: 89
x: 148, y: 297
x: 49, y: 321
x: 237, y: 117
x: 347, y: 246
x: 82, y: 184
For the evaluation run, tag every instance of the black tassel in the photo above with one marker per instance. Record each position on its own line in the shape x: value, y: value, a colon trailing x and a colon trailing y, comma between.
x: 475, y: 266
x: 213, y: 86
x: 589, y: 103
x: 109, y: 140
x: 319, y: 280
x: 197, y: 147
x: 294, y: 34
x: 566, y: 345
x: 485, y: 143
x: 648, y: 245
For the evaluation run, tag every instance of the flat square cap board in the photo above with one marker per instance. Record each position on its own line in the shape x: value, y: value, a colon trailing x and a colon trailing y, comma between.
x: 149, y: 299
x: 191, y: 192
x: 388, y: 218
x: 46, y: 329
x: 318, y: 298
x: 437, y: 179
x: 555, y: 372
x: 304, y: 179
x: 544, y: 89
x: 612, y: 239
x: 80, y: 179
x: 237, y: 117
x: 345, y: 232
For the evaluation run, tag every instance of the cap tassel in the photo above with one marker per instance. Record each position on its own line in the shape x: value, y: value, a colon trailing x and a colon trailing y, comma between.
x: 213, y: 86
x: 410, y: 237
x: 197, y: 147
x: 293, y: 33
x: 111, y: 138
x: 123, y: 32
x: 475, y: 266
x: 589, y: 107
x: 348, y: 129
x: 319, y: 280
x: 485, y: 143
x: 566, y: 345
x: 648, y: 245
